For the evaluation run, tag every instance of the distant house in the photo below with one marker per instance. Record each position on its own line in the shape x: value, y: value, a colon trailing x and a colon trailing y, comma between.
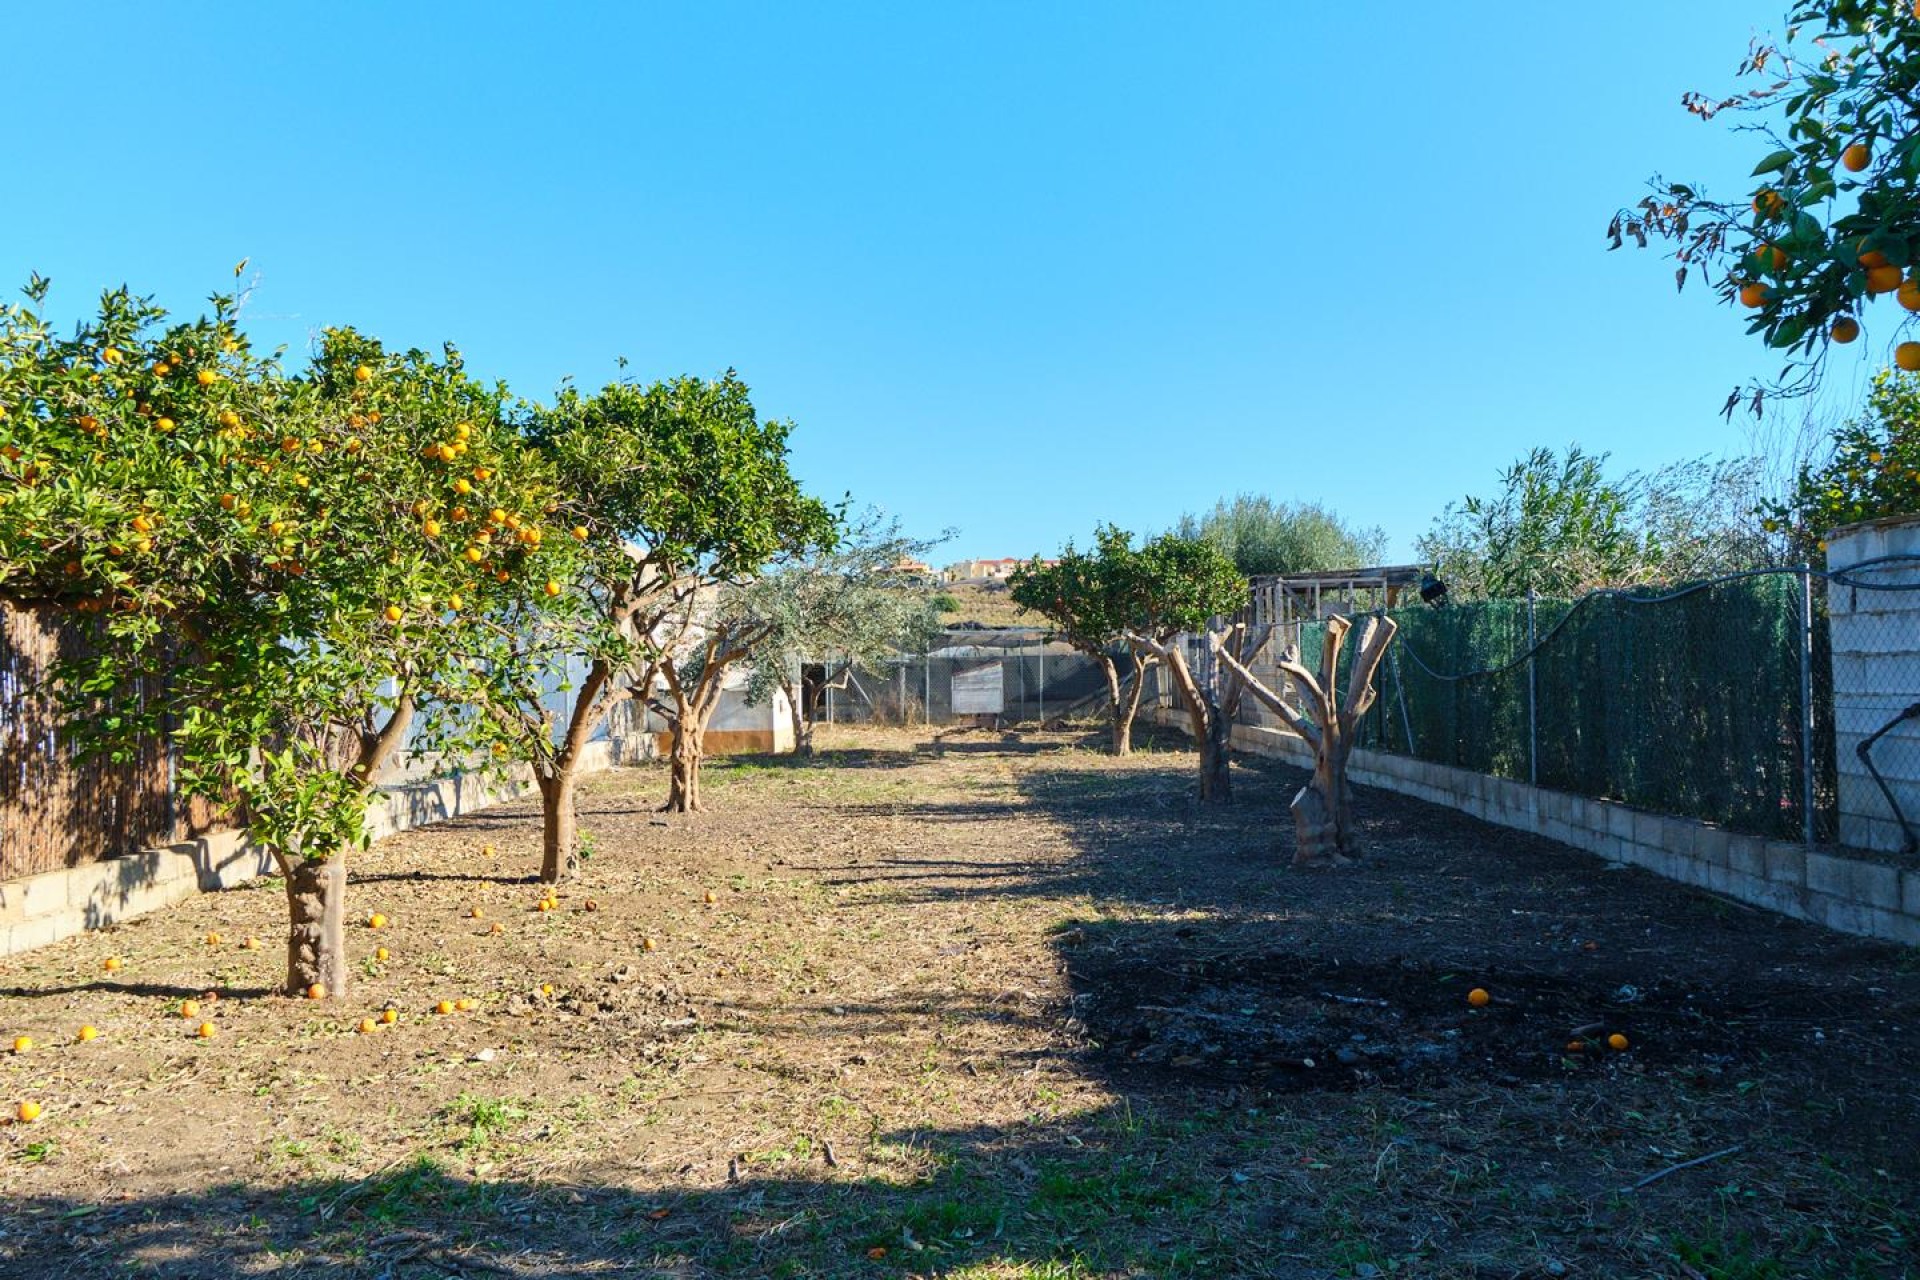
x: 986, y: 570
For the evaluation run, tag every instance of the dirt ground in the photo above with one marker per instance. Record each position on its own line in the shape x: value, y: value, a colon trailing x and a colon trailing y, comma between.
x: 996, y: 1007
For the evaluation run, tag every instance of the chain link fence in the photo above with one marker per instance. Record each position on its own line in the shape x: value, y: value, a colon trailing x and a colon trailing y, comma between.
x: 1008, y: 676
x: 1783, y: 703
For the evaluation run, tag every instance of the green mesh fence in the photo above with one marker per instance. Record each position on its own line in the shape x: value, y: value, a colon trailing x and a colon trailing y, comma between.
x: 1688, y: 706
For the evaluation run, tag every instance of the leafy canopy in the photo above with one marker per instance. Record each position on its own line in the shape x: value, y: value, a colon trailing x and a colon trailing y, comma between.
x: 268, y: 560
x: 1262, y: 536
x: 1832, y: 224
x: 1559, y: 525
x: 1096, y: 599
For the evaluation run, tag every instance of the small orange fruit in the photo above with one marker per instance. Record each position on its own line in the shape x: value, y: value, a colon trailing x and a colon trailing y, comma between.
x: 389, y: 1015
x: 1845, y: 329
x: 591, y: 905
x: 1616, y: 1041
x: 27, y: 1112
x: 710, y: 898
x: 22, y: 1043
x: 1908, y: 294
x: 1575, y: 1046
x: 316, y: 992
x: 189, y: 1008
x: 553, y: 588
x: 463, y: 1004
x: 380, y: 953
x: 498, y: 927
x: 363, y: 374
x: 376, y: 921
x: 546, y: 989
x: 648, y: 944
x: 1856, y: 157
x: 1754, y: 294
x: 394, y: 613
x: 1883, y: 279
x: 206, y: 1031
x: 86, y: 1033
x: 206, y: 377
x: 111, y: 964
x: 1478, y: 997
x: 546, y: 904
x: 1907, y: 356
x: 110, y: 355
x: 366, y: 1026
x: 213, y: 939
x: 580, y: 532
x: 445, y: 1006
x: 476, y: 913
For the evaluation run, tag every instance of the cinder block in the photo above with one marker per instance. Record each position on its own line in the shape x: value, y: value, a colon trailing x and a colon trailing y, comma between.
x: 1827, y: 874
x: 1894, y: 926
x: 1619, y: 820
x: 1747, y: 855
x: 1875, y: 885
x: 1838, y: 913
x: 32, y: 897
x: 1910, y: 893
x: 37, y: 932
x: 1785, y: 863
x: 1648, y: 828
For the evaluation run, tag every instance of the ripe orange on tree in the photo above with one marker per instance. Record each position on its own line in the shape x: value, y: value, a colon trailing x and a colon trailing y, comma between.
x: 1907, y: 356
x: 1856, y: 157
x: 1845, y: 329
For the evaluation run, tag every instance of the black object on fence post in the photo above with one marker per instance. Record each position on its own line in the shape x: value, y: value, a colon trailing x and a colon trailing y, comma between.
x: 1806, y: 704
x: 1533, y: 719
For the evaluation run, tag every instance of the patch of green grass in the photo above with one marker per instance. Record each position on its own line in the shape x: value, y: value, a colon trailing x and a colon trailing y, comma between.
x: 485, y: 1119
x: 37, y: 1152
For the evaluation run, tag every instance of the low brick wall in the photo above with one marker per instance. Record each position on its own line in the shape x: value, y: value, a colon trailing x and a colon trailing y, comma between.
x: 40, y: 909
x: 1850, y: 894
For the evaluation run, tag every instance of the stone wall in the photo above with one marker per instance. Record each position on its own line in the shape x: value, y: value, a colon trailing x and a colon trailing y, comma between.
x: 39, y: 909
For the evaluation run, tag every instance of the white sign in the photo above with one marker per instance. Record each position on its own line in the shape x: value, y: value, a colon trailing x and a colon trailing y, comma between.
x: 977, y: 690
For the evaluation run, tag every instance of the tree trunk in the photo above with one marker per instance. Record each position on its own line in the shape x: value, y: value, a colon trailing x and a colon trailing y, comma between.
x: 802, y: 731
x: 1120, y: 711
x: 317, y: 934
x: 683, y: 791
x: 1216, y: 759
x: 559, y: 839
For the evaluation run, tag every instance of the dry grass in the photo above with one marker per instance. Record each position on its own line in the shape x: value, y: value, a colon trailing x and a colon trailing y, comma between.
x: 1004, y: 1009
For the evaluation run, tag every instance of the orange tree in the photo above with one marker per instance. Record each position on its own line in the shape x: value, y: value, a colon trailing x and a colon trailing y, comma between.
x: 1832, y: 226
x: 672, y: 490
x: 1090, y: 598
x: 290, y: 559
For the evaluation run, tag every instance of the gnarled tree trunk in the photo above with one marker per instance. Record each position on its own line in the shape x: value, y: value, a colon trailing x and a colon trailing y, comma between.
x: 1323, y: 810
x: 683, y: 790
x: 802, y: 729
x: 316, y: 934
x: 1212, y: 700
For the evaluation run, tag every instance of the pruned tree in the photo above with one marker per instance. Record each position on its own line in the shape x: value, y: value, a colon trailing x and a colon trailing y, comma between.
x: 1212, y: 696
x: 1323, y: 808
x: 1088, y: 597
x: 676, y: 488
x: 856, y: 601
x: 1181, y: 585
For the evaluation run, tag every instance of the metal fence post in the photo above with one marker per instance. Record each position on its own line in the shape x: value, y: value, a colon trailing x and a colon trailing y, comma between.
x: 902, y: 683
x: 1041, y: 660
x: 1806, y: 704
x: 926, y: 690
x: 1533, y: 716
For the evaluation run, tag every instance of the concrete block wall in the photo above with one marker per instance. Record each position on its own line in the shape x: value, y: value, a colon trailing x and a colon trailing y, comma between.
x: 37, y: 910
x: 1852, y: 895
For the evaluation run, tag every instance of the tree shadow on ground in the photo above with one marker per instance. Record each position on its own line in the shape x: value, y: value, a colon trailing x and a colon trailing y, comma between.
x: 1107, y: 1193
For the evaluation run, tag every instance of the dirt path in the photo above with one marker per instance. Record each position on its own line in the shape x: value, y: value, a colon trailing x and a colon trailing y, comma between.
x: 1008, y: 1008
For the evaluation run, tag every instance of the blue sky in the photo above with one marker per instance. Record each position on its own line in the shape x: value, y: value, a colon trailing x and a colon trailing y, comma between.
x: 1014, y: 268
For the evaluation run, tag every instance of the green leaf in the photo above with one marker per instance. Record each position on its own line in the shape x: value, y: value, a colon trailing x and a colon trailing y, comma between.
x: 1773, y: 163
